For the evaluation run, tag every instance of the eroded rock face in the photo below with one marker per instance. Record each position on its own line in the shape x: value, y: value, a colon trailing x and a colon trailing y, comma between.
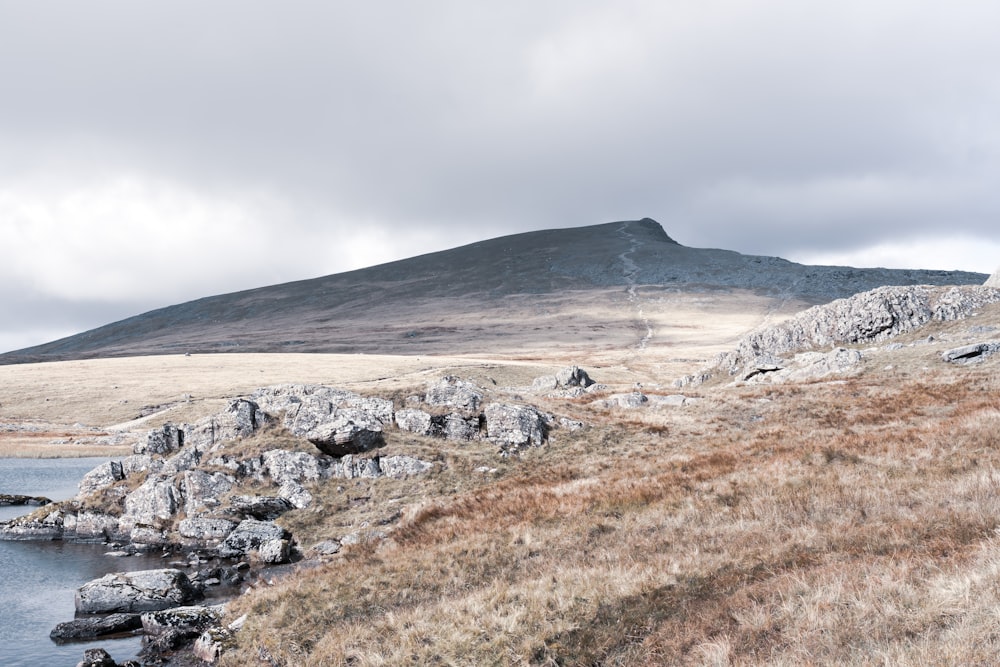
x: 514, y: 426
x: 205, y: 529
x: 994, y: 280
x: 154, y: 503
x: 146, y: 590
x: 867, y: 317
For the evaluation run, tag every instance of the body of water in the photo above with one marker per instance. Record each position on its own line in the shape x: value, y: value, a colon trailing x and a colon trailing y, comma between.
x: 39, y: 579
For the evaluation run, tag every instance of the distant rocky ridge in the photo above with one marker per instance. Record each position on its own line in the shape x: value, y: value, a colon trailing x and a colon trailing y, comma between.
x: 869, y: 317
x: 425, y: 304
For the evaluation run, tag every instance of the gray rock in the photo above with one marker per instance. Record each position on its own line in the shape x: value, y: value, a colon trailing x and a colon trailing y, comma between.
x: 303, y: 407
x: 189, y: 620
x: 349, y: 467
x: 326, y: 548
x: 628, y: 401
x: 296, y: 494
x: 155, y: 502
x: 203, y: 490
x: 347, y: 431
x: 141, y: 463
x: 101, y: 477
x: 971, y: 353
x: 205, y: 529
x: 214, y: 641
x: 574, y: 376
x: 456, y: 393
x: 401, y: 467
x: 97, y: 657
x: 261, y: 507
x: 249, y: 535
x: 164, y: 440
x: 91, y: 628
x: 673, y: 401
x: 514, y: 426
x: 89, y: 525
x: 872, y: 316
x: 48, y: 527
x: 283, y: 466
x: 414, y: 421
x: 571, y: 424
x: 454, y: 426
x: 544, y: 383
x: 146, y: 590
x: 274, y: 551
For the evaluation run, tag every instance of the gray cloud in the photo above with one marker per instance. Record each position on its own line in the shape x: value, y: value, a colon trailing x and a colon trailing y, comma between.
x: 288, y: 141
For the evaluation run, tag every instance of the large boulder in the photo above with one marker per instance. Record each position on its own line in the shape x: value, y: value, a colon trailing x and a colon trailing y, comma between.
x: 454, y: 392
x: 205, y: 529
x: 262, y: 508
x: 573, y: 376
x: 515, y: 426
x: 146, y: 590
x: 249, y: 536
x: 347, y: 431
x: 303, y: 407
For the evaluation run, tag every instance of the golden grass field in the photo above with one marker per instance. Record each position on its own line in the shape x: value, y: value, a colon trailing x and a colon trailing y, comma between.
x: 844, y: 521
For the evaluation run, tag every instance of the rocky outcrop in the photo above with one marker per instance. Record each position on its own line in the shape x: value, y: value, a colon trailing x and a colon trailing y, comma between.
x: 572, y: 377
x: 146, y: 590
x: 101, y: 477
x: 868, y: 317
x: 98, y: 657
x: 188, y: 621
x: 347, y: 431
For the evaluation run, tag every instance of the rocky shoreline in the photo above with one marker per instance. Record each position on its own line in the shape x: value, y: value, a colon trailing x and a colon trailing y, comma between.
x: 209, y: 494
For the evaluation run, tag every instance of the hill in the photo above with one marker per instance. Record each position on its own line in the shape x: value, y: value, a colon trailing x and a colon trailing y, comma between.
x: 578, y: 288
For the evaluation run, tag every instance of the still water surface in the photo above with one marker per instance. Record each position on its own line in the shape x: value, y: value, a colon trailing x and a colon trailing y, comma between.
x: 38, y: 579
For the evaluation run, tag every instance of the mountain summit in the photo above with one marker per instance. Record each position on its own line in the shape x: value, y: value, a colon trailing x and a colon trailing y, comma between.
x: 472, y: 298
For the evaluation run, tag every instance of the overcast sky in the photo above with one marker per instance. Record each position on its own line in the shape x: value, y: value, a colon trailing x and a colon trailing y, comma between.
x: 156, y: 152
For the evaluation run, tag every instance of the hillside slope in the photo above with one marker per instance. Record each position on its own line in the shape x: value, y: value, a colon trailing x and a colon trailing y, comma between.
x: 474, y: 298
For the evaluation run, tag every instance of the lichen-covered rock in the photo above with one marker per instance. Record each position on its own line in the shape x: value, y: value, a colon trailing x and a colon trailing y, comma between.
x: 454, y: 392
x: 401, y: 467
x: 154, y: 503
x: 202, y: 490
x: 274, y: 552
x: 296, y: 494
x: 90, y: 525
x: 249, y: 535
x: 189, y: 620
x: 283, y: 466
x: 515, y: 426
x: 146, y: 590
x: 101, y: 477
x: 47, y: 527
x: 205, y: 529
x: 414, y: 421
x: 164, y: 440
x: 347, y: 431
x: 871, y: 316
x: 971, y: 353
x: 349, y: 467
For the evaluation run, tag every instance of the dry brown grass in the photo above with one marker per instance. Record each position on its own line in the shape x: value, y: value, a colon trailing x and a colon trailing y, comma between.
x: 831, y: 523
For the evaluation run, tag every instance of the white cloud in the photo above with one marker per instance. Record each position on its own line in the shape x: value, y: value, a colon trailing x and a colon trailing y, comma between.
x: 944, y: 253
